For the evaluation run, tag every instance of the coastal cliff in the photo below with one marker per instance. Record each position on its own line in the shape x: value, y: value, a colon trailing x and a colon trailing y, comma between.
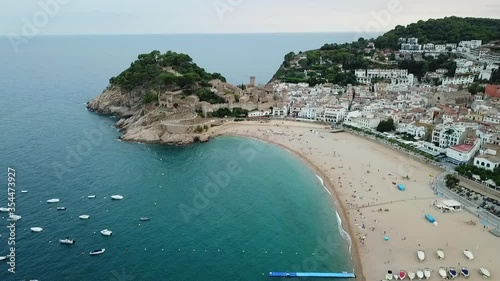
x: 159, y: 99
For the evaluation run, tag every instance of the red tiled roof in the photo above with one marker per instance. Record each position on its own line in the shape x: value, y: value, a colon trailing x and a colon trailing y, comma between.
x: 493, y: 91
x: 462, y: 147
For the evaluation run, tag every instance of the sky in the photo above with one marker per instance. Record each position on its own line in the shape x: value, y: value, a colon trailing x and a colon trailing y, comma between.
x: 64, y: 17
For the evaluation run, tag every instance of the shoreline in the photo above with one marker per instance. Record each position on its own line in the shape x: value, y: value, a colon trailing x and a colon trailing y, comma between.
x: 340, y: 209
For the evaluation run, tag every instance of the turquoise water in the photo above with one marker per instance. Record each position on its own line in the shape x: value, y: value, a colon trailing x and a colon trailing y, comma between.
x: 231, y: 209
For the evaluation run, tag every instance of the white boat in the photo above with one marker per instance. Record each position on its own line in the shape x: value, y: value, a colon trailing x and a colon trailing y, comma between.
x: 453, y: 272
x: 84, y: 217
x: 420, y: 274
x: 388, y: 276
x: 468, y: 254
x: 53, y: 200
x: 116, y: 197
x: 440, y: 253
x: 2, y: 258
x: 61, y: 208
x: 465, y: 271
x: 484, y: 272
x: 421, y: 255
x: 4, y: 209
x: 411, y: 275
x: 106, y: 232
x: 36, y: 229
x: 396, y: 276
x: 14, y: 218
x: 97, y: 252
x: 67, y: 241
x: 91, y: 196
x: 442, y: 272
x: 24, y: 191
x: 427, y: 273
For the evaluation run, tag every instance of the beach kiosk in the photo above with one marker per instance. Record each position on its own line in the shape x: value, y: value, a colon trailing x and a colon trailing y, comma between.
x: 401, y: 187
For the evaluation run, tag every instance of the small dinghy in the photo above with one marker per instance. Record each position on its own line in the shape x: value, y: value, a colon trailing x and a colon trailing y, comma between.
x: 144, y: 219
x: 116, y: 197
x: 453, y: 272
x: 61, y: 208
x: 388, y: 275
x: 427, y: 273
x: 440, y: 253
x: 442, y: 272
x: 411, y: 275
x: 468, y: 254
x: 24, y: 191
x: 91, y: 196
x: 84, y: 217
x: 14, y: 218
x: 4, y: 209
x: 465, y: 271
x: 2, y: 258
x: 421, y: 255
x: 402, y: 274
x: 97, y: 252
x: 67, y: 241
x: 484, y: 272
x: 53, y: 200
x: 36, y: 229
x: 396, y: 276
x: 106, y: 232
x: 420, y: 274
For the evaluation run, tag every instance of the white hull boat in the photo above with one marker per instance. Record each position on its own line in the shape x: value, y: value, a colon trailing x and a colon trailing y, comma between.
x: 411, y: 275
x: 2, y: 258
x: 36, y: 229
x: 453, y: 272
x: 440, y: 253
x: 396, y: 277
x: 106, y: 232
x: 4, y: 209
x: 388, y: 276
x: 67, y: 241
x: 468, y: 254
x: 465, y: 272
x: 116, y: 197
x: 14, y: 218
x: 420, y: 274
x: 84, y: 217
x: 53, y: 200
x: 91, y: 196
x: 421, y: 255
x: 61, y: 208
x: 442, y: 272
x: 427, y: 273
x: 97, y: 252
x: 484, y: 272
x: 24, y: 191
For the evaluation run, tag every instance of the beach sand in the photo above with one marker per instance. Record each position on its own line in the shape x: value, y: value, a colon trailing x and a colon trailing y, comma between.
x: 360, y: 175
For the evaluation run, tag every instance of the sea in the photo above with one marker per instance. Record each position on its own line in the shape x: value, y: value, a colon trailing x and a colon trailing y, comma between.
x: 230, y: 209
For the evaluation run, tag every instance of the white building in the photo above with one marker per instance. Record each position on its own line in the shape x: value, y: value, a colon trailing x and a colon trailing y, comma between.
x: 458, y: 80
x: 334, y: 114
x: 447, y: 136
x: 463, y: 153
x: 308, y: 113
x: 359, y: 120
x: 280, y: 111
x: 488, y: 162
x: 257, y: 113
x: 397, y: 76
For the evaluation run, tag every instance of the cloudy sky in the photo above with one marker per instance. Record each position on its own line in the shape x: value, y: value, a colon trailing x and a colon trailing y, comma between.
x: 227, y: 16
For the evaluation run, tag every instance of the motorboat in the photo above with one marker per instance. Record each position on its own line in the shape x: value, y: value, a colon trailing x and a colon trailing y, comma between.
x: 440, y: 253
x: 14, y: 217
x: 421, y: 255
x: 84, y: 217
x: 427, y: 273
x: 442, y: 272
x: 144, y: 219
x: 420, y: 274
x: 106, y: 232
x: 4, y: 209
x: 388, y: 275
x: 453, y: 272
x: 67, y: 241
x: 468, y: 254
x: 91, y: 196
x: 97, y: 252
x: 36, y: 229
x: 116, y: 197
x: 484, y: 272
x: 402, y: 274
x: 53, y: 200
x: 61, y: 208
x: 24, y: 191
x: 465, y: 271
x: 411, y: 275
x: 2, y: 258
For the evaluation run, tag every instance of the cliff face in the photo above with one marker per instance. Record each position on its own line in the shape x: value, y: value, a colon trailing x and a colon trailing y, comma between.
x: 152, y: 122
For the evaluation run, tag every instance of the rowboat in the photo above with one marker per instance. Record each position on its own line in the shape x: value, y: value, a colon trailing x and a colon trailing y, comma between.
x: 420, y: 274
x: 427, y: 273
x: 468, y: 254
x: 465, y: 271
x: 442, y: 272
x: 421, y: 255
x: 484, y: 272
x: 453, y: 272
x: 402, y: 274
x: 411, y: 275
x: 440, y: 253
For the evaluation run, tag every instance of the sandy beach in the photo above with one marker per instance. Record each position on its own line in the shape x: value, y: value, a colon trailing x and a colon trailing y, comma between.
x: 361, y: 176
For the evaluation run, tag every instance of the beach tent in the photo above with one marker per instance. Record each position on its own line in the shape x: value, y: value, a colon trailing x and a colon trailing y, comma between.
x: 401, y: 187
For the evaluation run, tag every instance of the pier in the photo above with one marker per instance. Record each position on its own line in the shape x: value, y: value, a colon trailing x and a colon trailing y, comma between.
x: 313, y: 274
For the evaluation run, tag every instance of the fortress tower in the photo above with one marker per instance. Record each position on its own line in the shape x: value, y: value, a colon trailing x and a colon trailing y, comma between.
x: 252, y: 81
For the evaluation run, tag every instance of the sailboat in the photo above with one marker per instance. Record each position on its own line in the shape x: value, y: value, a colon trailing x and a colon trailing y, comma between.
x: 442, y: 272
x: 427, y: 273
x: 402, y: 274
x: 420, y: 274
x: 421, y: 255
x: 465, y: 271
x: 453, y: 272
x: 440, y: 253
x: 411, y: 275
x: 468, y: 254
